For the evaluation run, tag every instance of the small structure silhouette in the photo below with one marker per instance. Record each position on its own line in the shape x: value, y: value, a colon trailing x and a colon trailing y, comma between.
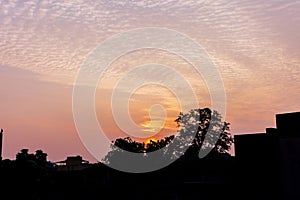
x: 72, y: 163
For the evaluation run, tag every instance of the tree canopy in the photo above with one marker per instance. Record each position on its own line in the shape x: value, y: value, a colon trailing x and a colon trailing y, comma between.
x: 198, y: 129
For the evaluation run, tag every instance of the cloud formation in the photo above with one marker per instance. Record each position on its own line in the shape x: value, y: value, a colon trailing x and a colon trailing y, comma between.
x: 255, y: 44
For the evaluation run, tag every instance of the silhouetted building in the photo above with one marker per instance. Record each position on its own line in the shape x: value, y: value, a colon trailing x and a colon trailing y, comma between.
x: 289, y: 132
x: 257, y: 164
x: 288, y: 124
x: 254, y: 146
x: 271, y: 160
x: 72, y: 163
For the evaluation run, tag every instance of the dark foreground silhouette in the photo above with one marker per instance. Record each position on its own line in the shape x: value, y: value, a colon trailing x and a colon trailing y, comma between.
x: 265, y: 166
x: 180, y: 180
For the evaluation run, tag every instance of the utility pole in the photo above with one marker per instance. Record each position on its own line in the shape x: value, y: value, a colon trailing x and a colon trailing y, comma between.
x: 1, y: 137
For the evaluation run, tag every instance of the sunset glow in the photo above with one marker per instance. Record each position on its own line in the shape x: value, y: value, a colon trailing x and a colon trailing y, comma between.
x: 255, y: 46
x: 149, y: 141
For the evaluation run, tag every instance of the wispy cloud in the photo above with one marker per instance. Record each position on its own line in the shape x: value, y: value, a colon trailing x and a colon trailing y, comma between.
x: 255, y: 44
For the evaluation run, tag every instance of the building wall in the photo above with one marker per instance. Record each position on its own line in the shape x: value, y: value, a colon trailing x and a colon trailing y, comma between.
x: 290, y: 167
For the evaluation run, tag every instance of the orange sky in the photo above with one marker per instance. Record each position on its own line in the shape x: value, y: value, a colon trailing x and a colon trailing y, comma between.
x: 255, y: 46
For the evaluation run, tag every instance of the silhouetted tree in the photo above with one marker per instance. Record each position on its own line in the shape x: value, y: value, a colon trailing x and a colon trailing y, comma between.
x: 128, y: 144
x: 153, y: 145
x: 28, y: 174
x: 24, y: 156
x: 191, y: 136
x: 194, y: 127
x: 40, y: 157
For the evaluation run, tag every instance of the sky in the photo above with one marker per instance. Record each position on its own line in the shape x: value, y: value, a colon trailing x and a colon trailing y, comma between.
x: 254, y: 44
